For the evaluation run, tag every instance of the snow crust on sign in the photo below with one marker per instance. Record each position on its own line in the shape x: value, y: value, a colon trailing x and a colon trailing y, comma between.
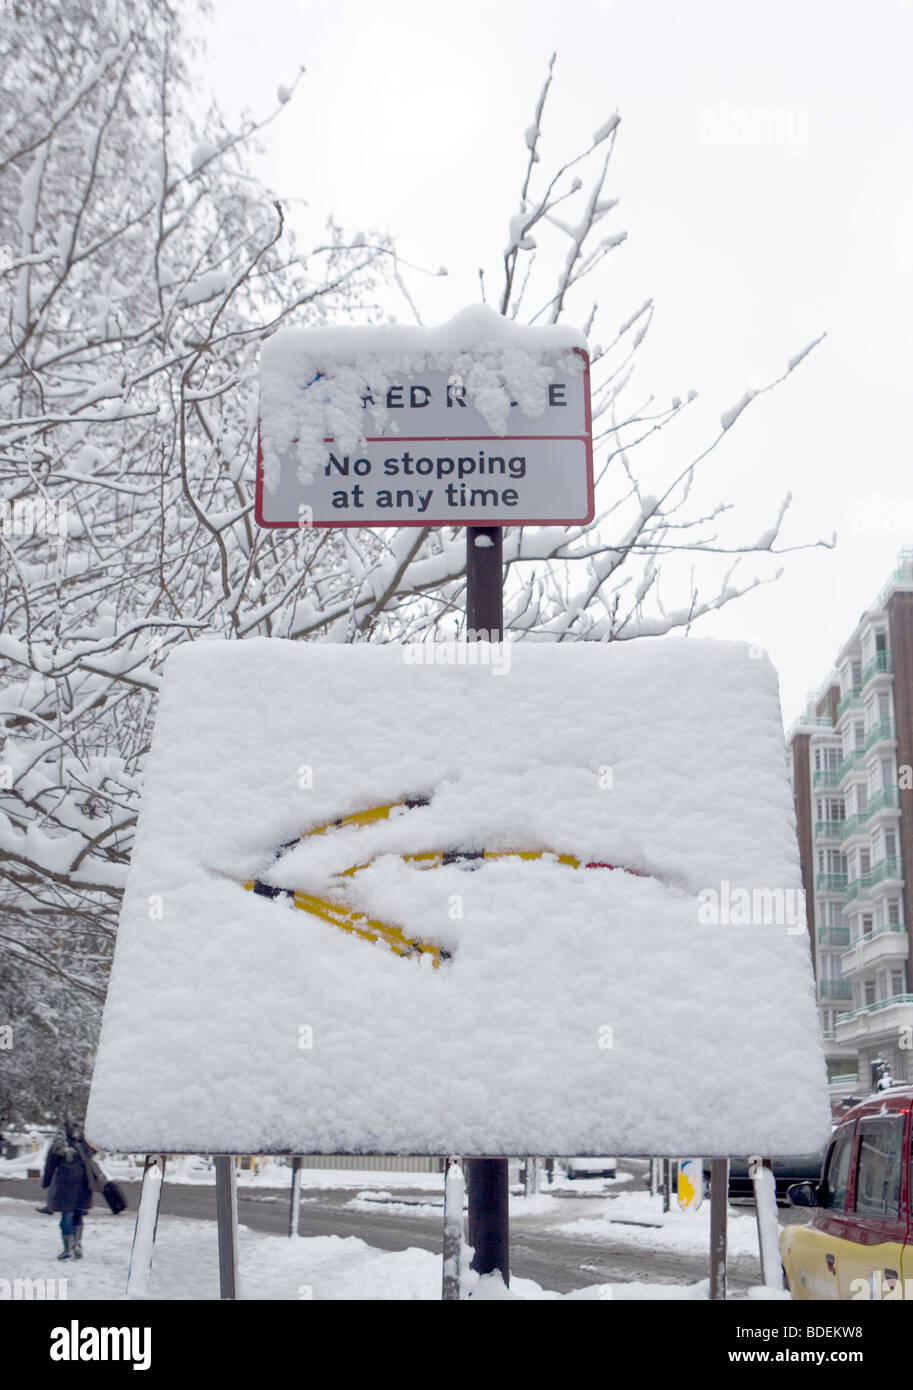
x: 313, y: 380
x: 582, y: 1011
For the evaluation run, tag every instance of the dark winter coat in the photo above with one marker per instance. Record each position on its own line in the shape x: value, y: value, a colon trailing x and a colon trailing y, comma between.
x: 65, y: 1174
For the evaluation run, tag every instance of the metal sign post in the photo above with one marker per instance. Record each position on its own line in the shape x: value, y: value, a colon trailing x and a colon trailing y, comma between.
x: 765, y: 1201
x: 146, y: 1226
x: 454, y: 1192
x: 295, y: 1198
x: 719, y: 1196
x: 488, y: 1185
x: 227, y: 1217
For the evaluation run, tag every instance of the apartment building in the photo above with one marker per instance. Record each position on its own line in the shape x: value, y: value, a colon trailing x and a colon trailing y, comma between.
x: 851, y: 756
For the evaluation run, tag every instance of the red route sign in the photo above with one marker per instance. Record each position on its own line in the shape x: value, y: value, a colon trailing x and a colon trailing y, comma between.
x: 439, y: 463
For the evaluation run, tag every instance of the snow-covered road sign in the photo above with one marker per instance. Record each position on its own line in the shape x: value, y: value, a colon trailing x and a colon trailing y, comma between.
x: 690, y: 1183
x: 563, y: 998
x: 479, y: 422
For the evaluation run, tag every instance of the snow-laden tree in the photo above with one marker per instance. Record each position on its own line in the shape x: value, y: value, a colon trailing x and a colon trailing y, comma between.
x: 602, y: 581
x: 140, y: 266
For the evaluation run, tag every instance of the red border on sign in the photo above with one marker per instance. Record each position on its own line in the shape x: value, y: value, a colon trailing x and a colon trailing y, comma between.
x: 586, y: 439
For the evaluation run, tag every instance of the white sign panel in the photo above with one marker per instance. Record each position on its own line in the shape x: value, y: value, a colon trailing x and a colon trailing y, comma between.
x: 434, y: 434
x: 463, y: 899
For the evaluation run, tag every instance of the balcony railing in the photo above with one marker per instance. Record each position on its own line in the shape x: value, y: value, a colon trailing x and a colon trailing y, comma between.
x: 871, y: 935
x: 829, y: 777
x: 881, y: 663
x: 886, y: 800
x: 884, y: 729
x: 853, y: 762
x: 853, y: 825
x: 829, y: 829
x: 851, y: 700
x: 885, y: 868
x: 891, y: 1003
x: 835, y: 989
x: 831, y: 883
x: 833, y: 936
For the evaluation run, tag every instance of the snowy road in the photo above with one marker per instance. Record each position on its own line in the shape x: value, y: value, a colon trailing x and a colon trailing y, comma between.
x: 612, y: 1239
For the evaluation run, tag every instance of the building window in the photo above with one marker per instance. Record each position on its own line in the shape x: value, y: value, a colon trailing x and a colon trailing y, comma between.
x: 830, y: 966
x: 898, y: 982
x: 894, y: 911
x: 868, y: 992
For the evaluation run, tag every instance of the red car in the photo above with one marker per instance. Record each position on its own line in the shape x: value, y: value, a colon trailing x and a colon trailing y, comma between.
x: 859, y: 1241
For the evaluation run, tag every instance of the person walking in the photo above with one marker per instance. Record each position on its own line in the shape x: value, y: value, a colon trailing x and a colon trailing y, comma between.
x: 66, y: 1175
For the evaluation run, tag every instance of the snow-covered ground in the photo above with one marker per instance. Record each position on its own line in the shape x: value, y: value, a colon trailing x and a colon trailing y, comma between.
x: 674, y: 1229
x: 331, y: 1267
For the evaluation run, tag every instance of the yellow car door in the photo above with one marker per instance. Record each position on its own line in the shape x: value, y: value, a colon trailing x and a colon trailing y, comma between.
x: 812, y: 1255
x: 870, y: 1265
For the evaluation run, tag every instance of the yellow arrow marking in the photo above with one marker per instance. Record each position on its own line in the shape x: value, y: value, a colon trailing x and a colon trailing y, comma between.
x: 349, y: 920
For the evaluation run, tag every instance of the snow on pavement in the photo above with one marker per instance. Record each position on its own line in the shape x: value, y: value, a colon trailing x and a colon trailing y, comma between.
x: 271, y: 1267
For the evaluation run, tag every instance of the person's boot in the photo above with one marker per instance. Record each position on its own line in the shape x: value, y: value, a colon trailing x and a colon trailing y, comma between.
x: 77, y: 1243
x: 67, y: 1252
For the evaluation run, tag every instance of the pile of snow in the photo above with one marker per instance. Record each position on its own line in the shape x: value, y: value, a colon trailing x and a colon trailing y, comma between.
x: 640, y: 1215
x: 581, y: 1011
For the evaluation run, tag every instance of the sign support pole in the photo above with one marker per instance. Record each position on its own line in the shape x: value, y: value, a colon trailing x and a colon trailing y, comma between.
x: 719, y: 1196
x: 765, y: 1202
x: 227, y: 1218
x: 147, y: 1218
x: 454, y: 1188
x: 295, y: 1197
x: 487, y: 1178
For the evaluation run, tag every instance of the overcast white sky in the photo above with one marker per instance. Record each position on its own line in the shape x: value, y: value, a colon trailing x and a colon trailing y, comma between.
x: 411, y: 118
